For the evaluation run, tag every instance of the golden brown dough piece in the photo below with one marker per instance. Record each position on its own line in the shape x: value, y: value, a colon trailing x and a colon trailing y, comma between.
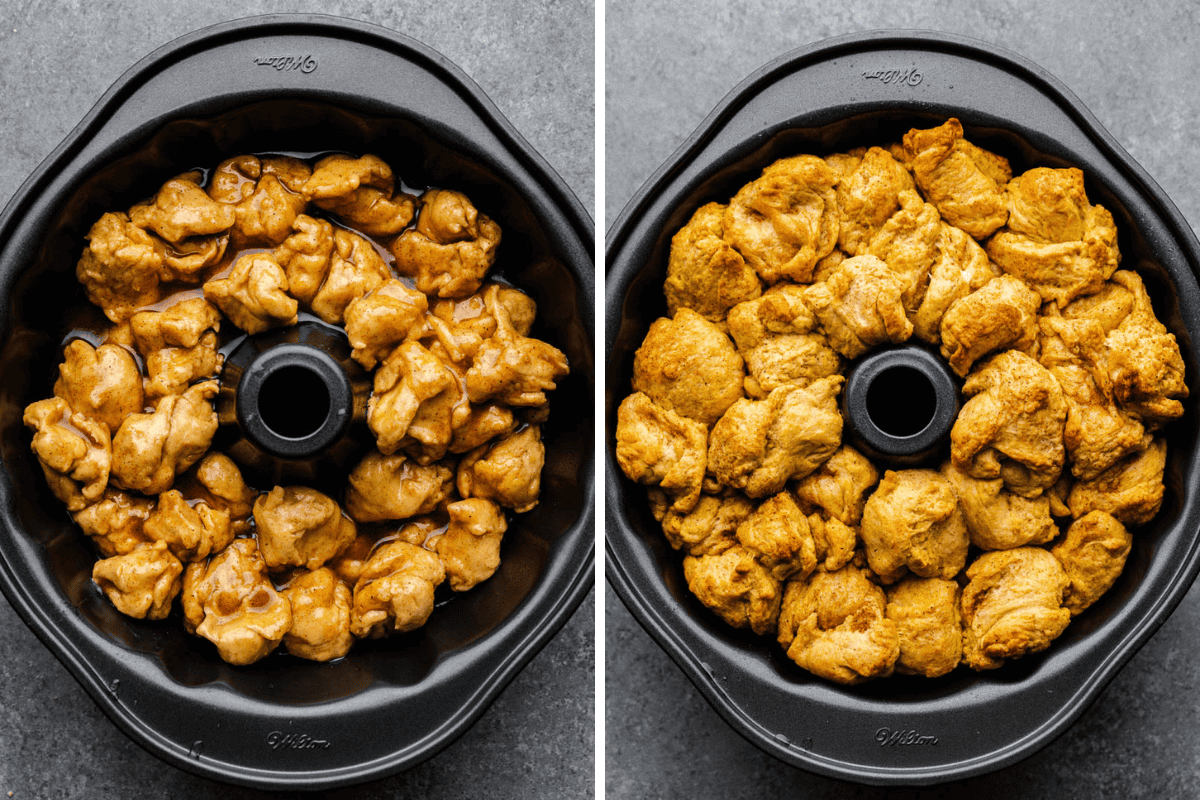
x: 1012, y: 606
x: 687, y: 365
x: 859, y: 305
x: 1093, y: 555
x: 379, y: 321
x: 1002, y: 315
x: 960, y: 267
x: 229, y: 600
x: 907, y: 243
x: 362, y: 192
x: 775, y: 335
x: 75, y: 452
x: 913, y: 522
x: 141, y: 583
x: 394, y: 593
x: 657, y: 447
x: 103, y: 382
x: 395, y: 487
x: 735, y: 586
x: 304, y: 256
x: 704, y: 273
x: 965, y: 182
x: 839, y: 486
x: 928, y: 623
x: 470, y: 547
x: 509, y: 366
x: 867, y: 196
x: 1056, y: 241
x: 998, y: 519
x: 151, y: 449
x: 179, y: 345
x: 787, y: 220
x: 507, y: 471
x: 320, y: 616
x: 120, y: 266
x: 778, y: 536
x: 300, y: 527
x: 451, y: 247
x: 216, y: 481
x: 192, y: 532
x: 457, y: 329
x: 708, y: 529
x: 355, y: 269
x: 114, y: 523
x: 834, y: 625
x: 415, y: 398
x: 254, y: 296
x: 266, y: 195
x: 182, y: 210
x: 759, y: 445
x: 1012, y: 425
x: 1131, y: 490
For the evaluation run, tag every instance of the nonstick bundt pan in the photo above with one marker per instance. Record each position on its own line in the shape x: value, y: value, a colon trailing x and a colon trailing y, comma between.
x: 870, y: 89
x: 296, y: 84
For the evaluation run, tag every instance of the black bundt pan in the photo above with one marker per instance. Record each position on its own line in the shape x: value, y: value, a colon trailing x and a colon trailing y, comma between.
x: 834, y: 95
x: 299, y: 84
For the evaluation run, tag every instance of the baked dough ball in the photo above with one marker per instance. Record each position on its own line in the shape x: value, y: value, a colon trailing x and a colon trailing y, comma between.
x: 657, y: 447
x: 860, y: 305
x: 777, y: 335
x: 1131, y: 490
x: 913, y: 522
x: 960, y: 267
x: 708, y: 529
x: 839, y: 486
x: 1002, y: 315
x: 834, y: 625
x: 687, y: 365
x: 867, y: 197
x: 907, y: 243
x: 996, y: 518
x: 928, y: 624
x: 1093, y: 554
x: 704, y: 272
x: 735, y: 586
x: 964, y: 181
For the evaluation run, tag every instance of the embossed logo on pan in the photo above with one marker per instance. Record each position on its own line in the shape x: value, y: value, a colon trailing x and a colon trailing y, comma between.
x: 278, y: 740
x: 304, y: 63
x: 908, y: 77
x: 887, y: 736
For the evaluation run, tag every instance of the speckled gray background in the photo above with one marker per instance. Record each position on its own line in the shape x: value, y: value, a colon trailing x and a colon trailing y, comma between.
x: 535, y: 59
x: 1134, y: 64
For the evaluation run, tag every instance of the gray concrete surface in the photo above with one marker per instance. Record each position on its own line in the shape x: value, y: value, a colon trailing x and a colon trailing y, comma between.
x: 1134, y: 64
x: 535, y: 60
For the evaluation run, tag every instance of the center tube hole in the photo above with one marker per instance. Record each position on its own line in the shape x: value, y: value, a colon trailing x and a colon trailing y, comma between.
x: 901, y: 401
x: 293, y: 402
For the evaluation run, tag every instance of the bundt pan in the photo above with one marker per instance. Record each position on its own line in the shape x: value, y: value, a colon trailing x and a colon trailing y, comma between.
x: 870, y: 89
x: 296, y: 84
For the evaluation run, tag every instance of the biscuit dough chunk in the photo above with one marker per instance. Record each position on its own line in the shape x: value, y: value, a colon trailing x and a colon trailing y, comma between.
x: 298, y: 526
x: 778, y: 535
x: 1056, y: 241
x: 192, y: 532
x: 75, y: 452
x: 120, y: 266
x: 912, y: 522
x: 687, y: 365
x: 657, y: 447
x: 266, y: 195
x: 362, y: 192
x: 151, y: 449
x: 217, y: 482
x: 1131, y: 490
x: 355, y: 269
x: 394, y: 593
x: 736, y: 587
x: 1093, y: 555
x: 460, y: 327
x: 115, y: 523
x: 182, y: 324
x: 415, y: 397
x: 254, y: 296
x: 470, y: 547
x: 320, y: 616
x: 510, y: 367
x: 787, y: 220
x: 839, y: 486
x: 928, y: 623
x: 960, y: 267
x: 141, y: 583
x: 450, y: 249
x: 1012, y: 605
x: 777, y: 337
x: 708, y: 529
x: 759, y: 445
x: 860, y: 305
x: 391, y: 487
x: 704, y: 272
x: 103, y: 382
x: 996, y: 518
x: 378, y: 322
x: 229, y: 600
x: 907, y: 243
x: 964, y: 181
x: 304, y: 256
x: 507, y: 471
x: 834, y: 624
x: 182, y: 210
x: 867, y: 197
x: 1002, y: 315
x: 1012, y: 425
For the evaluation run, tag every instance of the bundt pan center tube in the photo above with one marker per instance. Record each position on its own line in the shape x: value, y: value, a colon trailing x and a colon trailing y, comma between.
x: 300, y: 85
x: 831, y: 97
